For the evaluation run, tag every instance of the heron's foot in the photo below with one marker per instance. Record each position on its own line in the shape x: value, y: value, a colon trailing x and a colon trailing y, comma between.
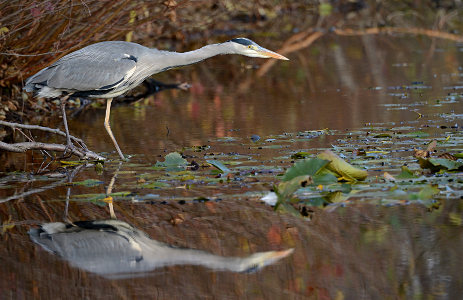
x: 68, y: 150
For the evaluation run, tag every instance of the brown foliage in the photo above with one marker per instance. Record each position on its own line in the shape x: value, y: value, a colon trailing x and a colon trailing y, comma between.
x: 35, y: 33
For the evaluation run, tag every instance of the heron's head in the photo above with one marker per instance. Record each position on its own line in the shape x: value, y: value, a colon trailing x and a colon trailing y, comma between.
x: 247, y: 47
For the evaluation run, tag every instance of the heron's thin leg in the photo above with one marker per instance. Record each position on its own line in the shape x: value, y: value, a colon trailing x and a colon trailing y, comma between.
x: 108, y: 127
x: 69, y: 145
x: 65, y: 121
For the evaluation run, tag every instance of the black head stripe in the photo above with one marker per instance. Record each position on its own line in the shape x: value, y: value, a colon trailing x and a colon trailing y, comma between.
x: 131, y: 57
x: 242, y: 41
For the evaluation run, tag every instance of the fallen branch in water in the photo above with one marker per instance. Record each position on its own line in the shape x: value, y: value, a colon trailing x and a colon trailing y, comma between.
x: 42, y: 128
x: 82, y: 153
x: 24, y: 146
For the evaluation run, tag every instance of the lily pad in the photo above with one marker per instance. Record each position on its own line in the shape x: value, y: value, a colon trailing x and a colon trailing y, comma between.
x: 287, y: 188
x: 88, y: 182
x: 438, y: 164
x: 406, y: 173
x: 173, y: 162
x: 306, y: 167
x: 156, y: 185
x: 219, y: 165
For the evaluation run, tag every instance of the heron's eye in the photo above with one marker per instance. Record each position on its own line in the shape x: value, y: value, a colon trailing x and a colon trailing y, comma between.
x: 250, y: 47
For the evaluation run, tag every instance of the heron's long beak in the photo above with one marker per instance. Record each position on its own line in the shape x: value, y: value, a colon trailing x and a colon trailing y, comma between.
x: 272, y: 54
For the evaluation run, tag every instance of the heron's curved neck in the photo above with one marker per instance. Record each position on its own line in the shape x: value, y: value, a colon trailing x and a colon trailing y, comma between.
x: 159, y: 255
x: 177, y: 59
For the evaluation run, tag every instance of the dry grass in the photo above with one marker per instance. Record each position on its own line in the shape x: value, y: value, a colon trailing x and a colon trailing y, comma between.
x: 35, y: 33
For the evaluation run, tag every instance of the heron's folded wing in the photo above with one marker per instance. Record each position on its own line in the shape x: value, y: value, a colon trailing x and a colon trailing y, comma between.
x: 99, y: 71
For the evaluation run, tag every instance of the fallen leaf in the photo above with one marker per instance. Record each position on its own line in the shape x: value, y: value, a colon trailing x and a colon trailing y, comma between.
x: 388, y: 176
x: 341, y: 167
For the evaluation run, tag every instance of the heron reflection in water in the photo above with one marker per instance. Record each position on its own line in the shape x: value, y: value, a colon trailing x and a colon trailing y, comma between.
x: 115, y: 249
x: 110, y: 69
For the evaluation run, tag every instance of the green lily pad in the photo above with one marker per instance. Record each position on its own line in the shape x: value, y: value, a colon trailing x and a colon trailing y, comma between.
x: 406, y: 173
x: 88, y: 182
x: 219, y: 165
x: 287, y: 188
x: 306, y: 167
x: 173, y: 162
x: 156, y: 185
x: 437, y: 164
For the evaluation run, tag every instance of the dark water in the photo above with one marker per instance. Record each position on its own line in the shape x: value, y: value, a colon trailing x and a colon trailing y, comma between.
x: 361, y: 251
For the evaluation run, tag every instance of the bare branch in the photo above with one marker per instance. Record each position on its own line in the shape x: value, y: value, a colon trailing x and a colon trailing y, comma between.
x: 24, y: 146
x: 42, y: 128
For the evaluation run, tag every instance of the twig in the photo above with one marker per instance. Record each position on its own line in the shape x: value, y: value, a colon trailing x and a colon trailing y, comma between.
x: 24, y: 146
x: 42, y: 128
x: 45, y: 153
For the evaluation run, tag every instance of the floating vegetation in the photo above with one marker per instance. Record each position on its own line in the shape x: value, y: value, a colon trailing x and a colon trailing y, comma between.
x: 173, y: 162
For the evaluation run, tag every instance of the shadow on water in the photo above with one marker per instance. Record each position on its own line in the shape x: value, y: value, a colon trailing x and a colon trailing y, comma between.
x: 378, y: 96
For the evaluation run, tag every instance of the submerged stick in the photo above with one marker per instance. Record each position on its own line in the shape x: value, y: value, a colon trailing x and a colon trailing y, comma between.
x: 42, y: 128
x: 24, y: 146
x: 83, y: 153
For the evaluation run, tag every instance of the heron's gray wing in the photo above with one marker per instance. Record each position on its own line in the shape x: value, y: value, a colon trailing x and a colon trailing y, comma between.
x: 85, y: 71
x: 102, y: 252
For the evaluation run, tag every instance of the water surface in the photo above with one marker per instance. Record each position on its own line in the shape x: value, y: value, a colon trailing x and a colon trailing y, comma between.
x: 365, y: 250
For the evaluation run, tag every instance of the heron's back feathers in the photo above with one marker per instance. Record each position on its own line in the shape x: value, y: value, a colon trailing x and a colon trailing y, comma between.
x: 96, y: 70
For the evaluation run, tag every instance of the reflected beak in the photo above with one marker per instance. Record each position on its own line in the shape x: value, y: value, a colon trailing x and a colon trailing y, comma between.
x: 272, y: 54
x: 272, y: 256
x: 284, y: 253
x: 261, y: 259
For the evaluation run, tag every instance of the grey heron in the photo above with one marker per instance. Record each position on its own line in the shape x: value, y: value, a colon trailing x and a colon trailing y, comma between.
x: 110, y: 69
x: 115, y: 249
